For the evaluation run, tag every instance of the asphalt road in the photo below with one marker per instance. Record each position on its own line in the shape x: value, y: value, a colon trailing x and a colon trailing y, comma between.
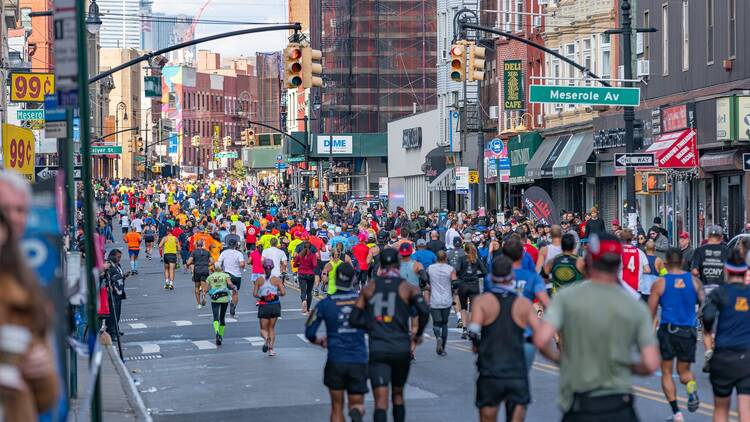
x: 182, y: 376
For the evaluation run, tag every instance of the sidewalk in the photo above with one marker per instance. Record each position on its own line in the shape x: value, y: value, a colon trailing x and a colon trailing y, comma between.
x: 120, y: 398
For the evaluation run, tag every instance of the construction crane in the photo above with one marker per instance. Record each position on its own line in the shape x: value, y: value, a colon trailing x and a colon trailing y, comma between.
x: 190, y: 34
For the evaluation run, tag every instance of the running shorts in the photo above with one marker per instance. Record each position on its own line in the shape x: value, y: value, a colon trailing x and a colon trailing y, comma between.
x: 148, y: 239
x: 170, y: 258
x: 199, y: 277
x: 133, y: 252
x: 389, y: 369
x: 677, y: 342
x: 467, y: 291
x: 493, y: 391
x: 351, y: 377
x: 730, y: 370
x: 272, y: 310
x: 237, y: 281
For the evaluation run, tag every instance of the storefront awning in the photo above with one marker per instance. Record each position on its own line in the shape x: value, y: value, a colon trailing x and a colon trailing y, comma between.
x: 557, y: 150
x: 534, y: 168
x: 721, y: 161
x: 444, y: 181
x: 521, y: 149
x: 572, y: 161
x: 676, y: 150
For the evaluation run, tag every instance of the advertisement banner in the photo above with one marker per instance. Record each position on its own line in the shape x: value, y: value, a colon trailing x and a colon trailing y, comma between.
x: 462, y: 179
x: 743, y: 118
x: 383, y: 187
x: 18, y: 150
x: 31, y: 87
x: 724, y: 119
x: 173, y: 143
x: 513, y: 85
x: 336, y: 144
x: 540, y: 206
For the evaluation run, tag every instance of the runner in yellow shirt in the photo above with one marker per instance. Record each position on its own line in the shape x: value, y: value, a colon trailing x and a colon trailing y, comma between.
x: 168, y: 246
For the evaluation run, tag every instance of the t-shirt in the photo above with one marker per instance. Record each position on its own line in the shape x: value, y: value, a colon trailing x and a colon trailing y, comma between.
x: 133, y: 239
x: 251, y: 234
x: 137, y: 224
x: 277, y: 256
x: 441, y: 296
x: 532, y: 251
x: 201, y: 259
x: 709, y: 261
x: 602, y: 325
x: 528, y: 283
x: 230, y: 260
x: 217, y: 281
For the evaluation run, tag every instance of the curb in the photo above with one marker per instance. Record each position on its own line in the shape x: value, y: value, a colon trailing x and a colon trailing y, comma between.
x: 131, y: 392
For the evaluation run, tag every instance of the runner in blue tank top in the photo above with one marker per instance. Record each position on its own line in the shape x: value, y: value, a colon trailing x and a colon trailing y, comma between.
x: 678, y: 293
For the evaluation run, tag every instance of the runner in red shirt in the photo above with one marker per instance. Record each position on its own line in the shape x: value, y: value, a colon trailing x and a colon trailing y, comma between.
x: 633, y: 261
x: 361, y: 251
x: 251, y: 237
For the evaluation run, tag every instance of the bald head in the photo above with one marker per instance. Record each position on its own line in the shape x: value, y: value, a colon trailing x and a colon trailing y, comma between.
x: 16, y: 197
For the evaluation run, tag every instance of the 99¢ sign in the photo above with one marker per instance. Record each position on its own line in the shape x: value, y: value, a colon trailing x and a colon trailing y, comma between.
x: 18, y: 150
x: 31, y: 87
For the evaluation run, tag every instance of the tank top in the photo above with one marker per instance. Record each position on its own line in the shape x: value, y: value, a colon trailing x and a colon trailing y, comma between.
x: 170, y: 244
x: 733, y: 329
x: 564, y: 270
x: 332, y: 276
x: 325, y: 254
x: 268, y: 289
x: 552, y: 252
x: 388, y: 319
x: 631, y: 265
x: 408, y: 273
x: 652, y: 265
x: 678, y: 300
x: 500, y: 352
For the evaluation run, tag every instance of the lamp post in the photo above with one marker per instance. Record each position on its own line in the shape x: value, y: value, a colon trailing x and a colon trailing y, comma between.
x: 196, y: 142
x: 316, y: 107
x: 124, y: 107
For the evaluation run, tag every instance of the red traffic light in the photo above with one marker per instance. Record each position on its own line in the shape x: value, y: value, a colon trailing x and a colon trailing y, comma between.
x: 457, y: 50
x: 295, y: 53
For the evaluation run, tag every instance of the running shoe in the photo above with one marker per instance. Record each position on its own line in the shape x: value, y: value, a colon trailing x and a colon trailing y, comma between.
x: 271, y: 352
x: 460, y: 324
x: 439, y: 348
x: 265, y: 348
x: 693, y: 401
x: 355, y: 415
x: 203, y: 301
x: 218, y: 340
x: 677, y: 417
x: 198, y: 306
x: 464, y: 334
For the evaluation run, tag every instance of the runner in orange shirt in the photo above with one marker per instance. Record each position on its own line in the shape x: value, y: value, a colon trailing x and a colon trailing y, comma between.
x: 133, y: 239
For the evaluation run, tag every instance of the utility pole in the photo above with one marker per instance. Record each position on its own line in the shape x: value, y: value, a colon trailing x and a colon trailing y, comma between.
x: 330, y: 154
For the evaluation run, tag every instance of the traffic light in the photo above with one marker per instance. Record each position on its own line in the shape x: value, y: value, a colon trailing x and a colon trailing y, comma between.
x: 293, y: 65
x: 656, y: 182
x: 196, y: 141
x: 139, y: 144
x: 227, y: 141
x: 312, y: 69
x: 458, y: 62
x: 476, y: 63
x: 250, y: 137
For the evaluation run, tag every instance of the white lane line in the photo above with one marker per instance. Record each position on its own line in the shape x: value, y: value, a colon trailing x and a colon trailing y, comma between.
x: 230, y: 319
x: 182, y: 323
x: 255, y: 341
x: 303, y: 338
x: 137, y: 325
x: 252, y: 312
x: 149, y: 347
x: 204, y: 344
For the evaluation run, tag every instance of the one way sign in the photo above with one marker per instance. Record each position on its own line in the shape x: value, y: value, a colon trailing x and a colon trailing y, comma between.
x: 635, y: 160
x: 746, y: 162
x: 45, y: 172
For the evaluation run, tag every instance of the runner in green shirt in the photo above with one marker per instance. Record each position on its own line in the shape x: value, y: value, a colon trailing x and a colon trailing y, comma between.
x: 220, y: 289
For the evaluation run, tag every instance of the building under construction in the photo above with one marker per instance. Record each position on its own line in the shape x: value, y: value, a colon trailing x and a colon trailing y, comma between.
x: 379, y: 61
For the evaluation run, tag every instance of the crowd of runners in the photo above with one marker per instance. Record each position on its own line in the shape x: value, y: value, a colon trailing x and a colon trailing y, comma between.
x: 585, y: 293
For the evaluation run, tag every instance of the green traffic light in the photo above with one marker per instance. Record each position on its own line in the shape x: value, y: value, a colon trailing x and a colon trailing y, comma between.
x: 456, y: 75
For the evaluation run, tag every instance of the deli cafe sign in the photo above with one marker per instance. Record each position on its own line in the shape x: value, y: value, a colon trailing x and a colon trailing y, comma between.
x: 677, y: 117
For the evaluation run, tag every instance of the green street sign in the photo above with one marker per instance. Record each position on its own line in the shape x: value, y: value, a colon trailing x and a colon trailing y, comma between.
x: 30, y: 114
x: 106, y: 150
x: 295, y: 159
x: 226, y: 154
x: 152, y: 86
x: 590, y: 95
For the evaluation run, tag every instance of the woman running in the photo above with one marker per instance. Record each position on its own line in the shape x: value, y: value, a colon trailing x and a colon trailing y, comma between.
x: 329, y: 271
x: 220, y: 290
x: 149, y: 236
x: 268, y: 289
x: 306, y: 262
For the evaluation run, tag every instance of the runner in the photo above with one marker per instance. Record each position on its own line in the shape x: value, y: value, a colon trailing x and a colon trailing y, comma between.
x: 729, y: 307
x: 565, y: 268
x: 362, y: 254
x: 329, y: 271
x: 220, y: 284
x: 168, y: 247
x: 149, y: 237
x: 383, y: 310
x: 677, y: 292
x: 441, y: 276
x: 306, y: 263
x: 471, y: 270
x: 268, y: 288
x: 133, y: 240
x: 232, y: 262
x: 201, y: 262
x: 346, y: 366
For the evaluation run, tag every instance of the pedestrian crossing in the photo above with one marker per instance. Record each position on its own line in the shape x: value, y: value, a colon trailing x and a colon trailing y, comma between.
x: 180, y: 347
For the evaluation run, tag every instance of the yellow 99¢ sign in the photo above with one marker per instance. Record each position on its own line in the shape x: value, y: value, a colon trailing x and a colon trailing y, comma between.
x: 31, y: 87
x: 18, y: 150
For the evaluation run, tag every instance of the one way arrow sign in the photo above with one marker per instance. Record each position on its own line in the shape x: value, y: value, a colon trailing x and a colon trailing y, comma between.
x: 746, y: 162
x: 635, y: 160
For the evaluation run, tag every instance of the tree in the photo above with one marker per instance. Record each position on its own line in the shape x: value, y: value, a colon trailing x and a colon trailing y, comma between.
x: 238, y: 170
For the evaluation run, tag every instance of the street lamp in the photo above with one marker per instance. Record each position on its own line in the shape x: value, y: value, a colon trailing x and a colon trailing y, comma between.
x: 94, y: 20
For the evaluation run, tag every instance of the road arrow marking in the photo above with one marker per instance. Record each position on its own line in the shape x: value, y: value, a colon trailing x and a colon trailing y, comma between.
x: 137, y: 326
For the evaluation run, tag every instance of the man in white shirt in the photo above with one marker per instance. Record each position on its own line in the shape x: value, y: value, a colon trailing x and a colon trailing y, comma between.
x: 137, y: 224
x: 232, y: 262
x: 277, y: 256
x: 451, y: 234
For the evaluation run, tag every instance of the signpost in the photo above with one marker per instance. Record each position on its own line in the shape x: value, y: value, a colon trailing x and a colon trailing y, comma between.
x: 462, y: 180
x: 48, y: 172
x: 106, y: 150
x: 586, y: 95
x: 226, y: 154
x: 56, y: 130
x: 635, y: 160
x: 496, y: 146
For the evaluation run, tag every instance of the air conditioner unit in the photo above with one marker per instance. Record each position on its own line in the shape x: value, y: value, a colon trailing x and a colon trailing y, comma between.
x: 494, y: 112
x: 643, y: 68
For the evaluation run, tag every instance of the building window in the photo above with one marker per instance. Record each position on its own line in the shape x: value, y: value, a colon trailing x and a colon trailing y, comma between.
x: 646, y: 46
x: 507, y: 17
x: 665, y: 39
x: 519, y: 15
x: 587, y: 57
x: 605, y: 56
x: 685, y: 35
x: 25, y: 18
x: 710, y: 31
x: 557, y: 74
x: 732, y: 5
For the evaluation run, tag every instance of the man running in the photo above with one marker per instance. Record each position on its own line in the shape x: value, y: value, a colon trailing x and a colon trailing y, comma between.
x: 677, y: 292
x: 441, y: 276
x: 200, y: 261
x: 149, y: 237
x: 168, y: 247
x: 383, y: 310
x: 232, y: 262
x: 346, y: 367
x: 565, y: 268
x: 133, y: 239
x: 220, y: 284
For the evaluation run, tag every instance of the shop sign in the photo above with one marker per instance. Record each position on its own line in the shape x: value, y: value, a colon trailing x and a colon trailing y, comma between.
x: 473, y: 177
x: 462, y: 179
x: 724, y: 119
x: 743, y: 118
x: 336, y: 144
x: 412, y: 138
x: 513, y: 85
x: 677, y: 118
x: 383, y: 187
x: 609, y: 138
x: 655, y: 122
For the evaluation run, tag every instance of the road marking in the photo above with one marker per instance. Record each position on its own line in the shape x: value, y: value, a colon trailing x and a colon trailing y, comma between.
x: 230, y: 319
x: 255, y: 341
x: 137, y: 325
x: 182, y: 323
x: 204, y: 344
x: 251, y: 312
x: 303, y: 338
x: 149, y: 347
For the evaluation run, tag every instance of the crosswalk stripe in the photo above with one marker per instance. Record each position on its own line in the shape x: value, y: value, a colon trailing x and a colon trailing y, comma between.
x: 182, y: 323
x: 255, y: 341
x: 137, y: 325
x: 204, y: 344
x: 149, y: 347
x: 230, y: 319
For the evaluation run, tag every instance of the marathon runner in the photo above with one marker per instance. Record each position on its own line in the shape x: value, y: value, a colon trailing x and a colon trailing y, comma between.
x: 306, y: 262
x: 168, y: 247
x: 441, y: 278
x: 133, y: 240
x: 268, y: 289
x: 220, y: 287
x: 201, y: 262
x: 232, y: 262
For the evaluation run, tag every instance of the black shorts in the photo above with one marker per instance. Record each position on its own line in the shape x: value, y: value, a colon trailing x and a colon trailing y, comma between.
x: 148, y: 239
x: 269, y: 311
x: 199, y: 277
x: 467, y: 291
x: 351, y: 377
x: 393, y: 369
x: 170, y: 258
x: 730, y: 370
x: 679, y: 342
x: 237, y: 281
x: 493, y: 391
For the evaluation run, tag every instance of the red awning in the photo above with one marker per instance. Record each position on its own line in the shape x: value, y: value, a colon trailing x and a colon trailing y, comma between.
x: 676, y: 150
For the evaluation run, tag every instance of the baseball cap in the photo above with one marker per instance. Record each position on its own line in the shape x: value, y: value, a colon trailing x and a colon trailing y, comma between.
x: 714, y: 230
x: 684, y: 235
x: 457, y: 241
x: 615, y: 222
x: 502, y: 269
x: 344, y: 275
x: 421, y: 242
x: 604, y: 245
x: 232, y: 243
x: 405, y: 249
x: 388, y: 257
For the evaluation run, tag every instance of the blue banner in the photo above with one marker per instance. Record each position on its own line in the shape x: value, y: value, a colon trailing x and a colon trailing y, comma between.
x: 174, y: 143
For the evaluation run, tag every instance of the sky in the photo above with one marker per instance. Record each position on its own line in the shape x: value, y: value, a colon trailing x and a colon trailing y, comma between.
x: 267, y: 11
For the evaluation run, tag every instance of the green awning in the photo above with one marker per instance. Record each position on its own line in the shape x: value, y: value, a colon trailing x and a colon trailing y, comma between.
x: 520, y: 150
x: 573, y: 159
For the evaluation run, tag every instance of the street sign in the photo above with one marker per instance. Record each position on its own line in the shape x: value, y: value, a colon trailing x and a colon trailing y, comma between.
x: 106, y: 150
x: 295, y: 159
x: 280, y: 166
x: 37, y: 114
x: 48, y: 172
x: 308, y: 172
x: 473, y: 176
x: 635, y: 160
x: 279, y: 157
x: 746, y: 162
x: 589, y: 95
x: 152, y: 86
x: 55, y: 115
x: 31, y: 87
x: 496, y: 146
x: 56, y: 130
x: 226, y: 154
